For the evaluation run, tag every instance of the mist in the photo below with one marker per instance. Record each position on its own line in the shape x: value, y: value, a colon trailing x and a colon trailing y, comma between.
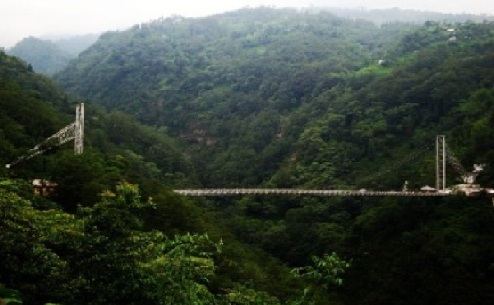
x: 50, y: 18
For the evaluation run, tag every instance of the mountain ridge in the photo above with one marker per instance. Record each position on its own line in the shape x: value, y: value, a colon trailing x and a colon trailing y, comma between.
x: 264, y: 98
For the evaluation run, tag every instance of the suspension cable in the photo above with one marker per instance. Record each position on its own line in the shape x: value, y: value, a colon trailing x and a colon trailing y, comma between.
x: 397, y: 164
x: 455, y: 163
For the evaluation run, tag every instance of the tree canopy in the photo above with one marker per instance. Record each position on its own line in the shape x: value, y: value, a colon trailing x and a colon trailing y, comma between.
x: 252, y: 98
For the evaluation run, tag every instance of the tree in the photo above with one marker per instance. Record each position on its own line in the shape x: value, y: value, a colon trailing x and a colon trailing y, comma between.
x: 81, y: 178
x: 326, y: 271
x: 29, y: 241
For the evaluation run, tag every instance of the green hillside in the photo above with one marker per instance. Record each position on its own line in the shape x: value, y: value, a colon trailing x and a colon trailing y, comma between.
x: 280, y: 98
x: 75, y: 44
x: 254, y: 98
x: 227, y: 84
x: 258, y: 90
x: 43, y: 55
x: 386, y: 15
x: 112, y: 231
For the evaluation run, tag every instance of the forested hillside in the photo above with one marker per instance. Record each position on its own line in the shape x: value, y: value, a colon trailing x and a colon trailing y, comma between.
x: 266, y: 98
x: 50, y: 56
x: 112, y: 232
x: 228, y: 83
x: 382, y: 16
x: 257, y: 91
x: 43, y: 55
x: 75, y: 44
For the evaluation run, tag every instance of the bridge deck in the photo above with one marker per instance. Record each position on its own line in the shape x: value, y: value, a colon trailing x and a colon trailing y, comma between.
x: 265, y: 191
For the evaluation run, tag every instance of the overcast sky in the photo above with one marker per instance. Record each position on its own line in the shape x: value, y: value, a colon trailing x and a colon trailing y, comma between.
x: 22, y: 18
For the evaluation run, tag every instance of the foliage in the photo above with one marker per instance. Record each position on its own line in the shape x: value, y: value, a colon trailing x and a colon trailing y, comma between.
x: 9, y: 296
x: 327, y: 270
x: 103, y: 255
x: 76, y: 44
x: 116, y: 147
x: 256, y: 97
x: 249, y: 297
x: 44, y: 56
x: 280, y: 97
x: 418, y: 252
x: 220, y: 83
x: 185, y: 269
x: 384, y: 16
x: 28, y: 263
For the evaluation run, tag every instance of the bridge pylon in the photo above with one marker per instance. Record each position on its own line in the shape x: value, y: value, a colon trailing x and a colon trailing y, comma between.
x: 440, y: 163
x: 73, y: 131
x: 79, y: 129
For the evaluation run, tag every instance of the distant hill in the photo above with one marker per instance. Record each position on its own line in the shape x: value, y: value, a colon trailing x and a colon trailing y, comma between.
x: 44, y: 56
x: 380, y: 16
x: 75, y: 44
x: 246, y: 88
x: 48, y: 56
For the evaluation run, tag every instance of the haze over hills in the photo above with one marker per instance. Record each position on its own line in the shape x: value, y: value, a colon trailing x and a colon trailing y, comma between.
x: 381, y: 16
x: 49, y: 57
x: 259, y: 98
x: 46, y: 59
x: 22, y: 18
x: 247, y: 78
x: 74, y: 44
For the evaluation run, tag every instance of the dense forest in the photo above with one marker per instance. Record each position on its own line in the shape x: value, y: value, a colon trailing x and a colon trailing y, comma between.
x: 387, y: 15
x: 50, y: 56
x: 74, y: 44
x: 42, y: 237
x: 43, y: 55
x: 252, y: 98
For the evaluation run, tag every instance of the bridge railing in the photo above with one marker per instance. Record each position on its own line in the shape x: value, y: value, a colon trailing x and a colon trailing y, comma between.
x: 266, y: 191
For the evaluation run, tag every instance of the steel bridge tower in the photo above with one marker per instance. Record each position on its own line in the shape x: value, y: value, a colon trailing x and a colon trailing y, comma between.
x: 73, y: 131
x: 440, y: 163
x: 79, y: 129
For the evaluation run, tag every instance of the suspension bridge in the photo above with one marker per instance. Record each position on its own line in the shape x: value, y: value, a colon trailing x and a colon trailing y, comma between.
x: 325, y: 193
x: 444, y: 156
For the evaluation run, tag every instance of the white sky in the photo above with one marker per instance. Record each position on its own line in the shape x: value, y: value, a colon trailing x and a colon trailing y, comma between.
x: 22, y: 18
